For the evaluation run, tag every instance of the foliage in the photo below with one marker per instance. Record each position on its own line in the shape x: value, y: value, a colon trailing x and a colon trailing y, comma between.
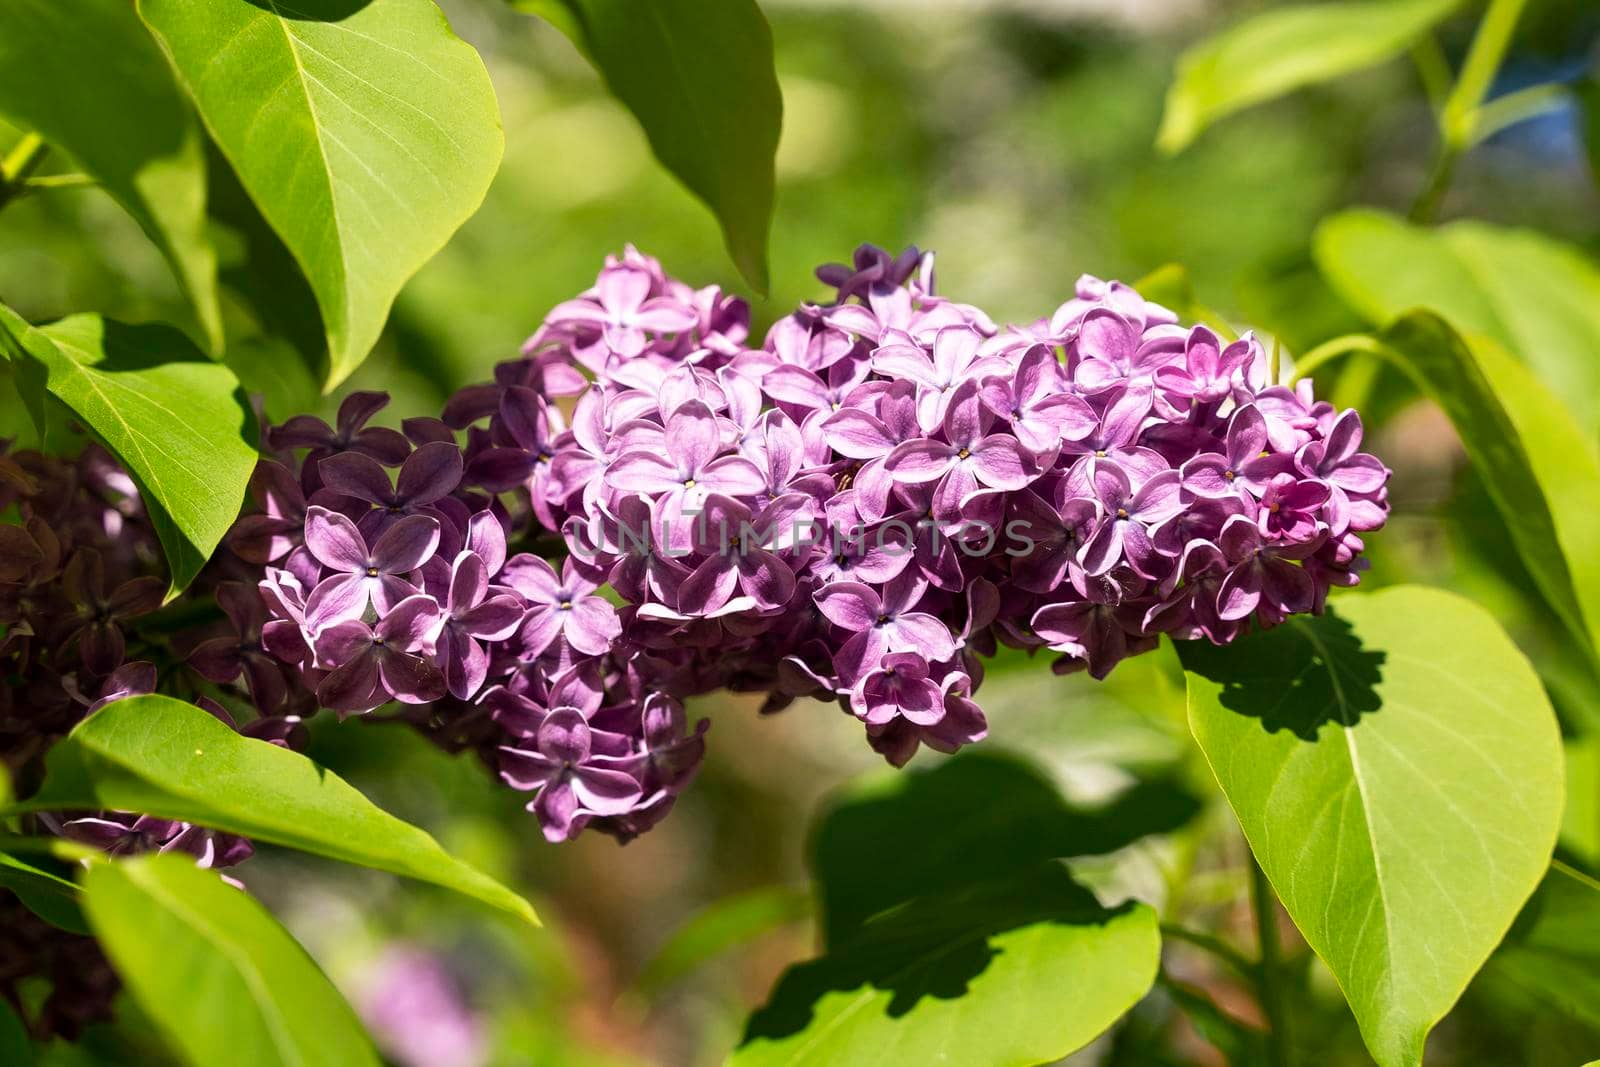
x: 215, y: 212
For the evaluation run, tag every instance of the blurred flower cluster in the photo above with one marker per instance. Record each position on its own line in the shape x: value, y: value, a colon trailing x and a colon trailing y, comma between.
x: 860, y: 510
x: 82, y: 624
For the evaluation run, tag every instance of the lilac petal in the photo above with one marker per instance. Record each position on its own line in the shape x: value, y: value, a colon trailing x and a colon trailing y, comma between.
x: 789, y: 384
x: 409, y: 679
x: 964, y: 415
x: 1360, y: 474
x: 357, y: 408
x: 1287, y: 587
x: 387, y: 446
x: 709, y: 586
x: 486, y: 536
x: 432, y: 471
x: 533, y: 577
x: 1103, y: 334
x: 301, y: 431
x: 469, y: 580
x: 1104, y: 550
x: 564, y: 736
x: 406, y: 545
x: 522, y: 769
x: 355, y: 686
x: 495, y: 619
x: 355, y: 475
x: 408, y: 624
x: 138, y: 596
x: 605, y: 792
x: 592, y: 625
x: 557, y: 809
x: 693, y: 437
x: 642, y: 472
x: 733, y: 475
x: 334, y: 540
x: 923, y: 634
x: 850, y: 605
x: 857, y: 434
x: 765, y: 577
x: 217, y: 660
x: 1240, y: 592
x: 1247, y: 434
x: 342, y: 641
x: 999, y: 462
x: 257, y: 539
x: 920, y: 461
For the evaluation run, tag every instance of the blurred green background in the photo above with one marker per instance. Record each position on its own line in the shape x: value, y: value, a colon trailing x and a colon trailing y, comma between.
x: 1016, y: 140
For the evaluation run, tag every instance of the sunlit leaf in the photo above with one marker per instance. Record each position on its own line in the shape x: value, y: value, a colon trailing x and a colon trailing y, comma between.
x: 1284, y: 49
x: 1535, y: 295
x: 1541, y: 470
x: 87, y: 77
x: 1395, y: 767
x: 699, y: 78
x: 162, y: 757
x: 221, y: 978
x: 366, y: 132
x: 1020, y: 970
x: 176, y: 420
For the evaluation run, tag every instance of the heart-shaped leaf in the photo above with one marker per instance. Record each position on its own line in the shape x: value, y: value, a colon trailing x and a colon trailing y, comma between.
x: 162, y: 757
x: 88, y: 78
x: 1022, y: 970
x: 366, y: 132
x: 699, y: 78
x: 1395, y: 765
x: 215, y: 971
x: 1284, y: 49
x: 176, y: 420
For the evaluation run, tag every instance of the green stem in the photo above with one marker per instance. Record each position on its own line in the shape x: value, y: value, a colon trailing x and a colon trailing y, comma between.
x: 1270, y: 979
x: 1462, y: 111
x: 1223, y: 951
x: 1506, y: 111
x: 23, y: 159
x: 56, y: 181
x: 1329, y: 351
x: 1477, y: 73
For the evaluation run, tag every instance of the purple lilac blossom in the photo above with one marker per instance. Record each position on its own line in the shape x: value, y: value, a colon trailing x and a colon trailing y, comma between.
x: 859, y: 509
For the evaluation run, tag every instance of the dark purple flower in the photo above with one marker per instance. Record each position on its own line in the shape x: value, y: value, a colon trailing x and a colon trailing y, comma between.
x: 371, y: 665
x: 431, y: 472
x: 573, y: 783
x: 879, y: 624
x: 386, y: 446
x: 471, y: 614
x: 360, y: 574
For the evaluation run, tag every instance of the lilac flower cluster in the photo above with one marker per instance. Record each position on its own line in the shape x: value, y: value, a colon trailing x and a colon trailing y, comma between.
x: 859, y: 510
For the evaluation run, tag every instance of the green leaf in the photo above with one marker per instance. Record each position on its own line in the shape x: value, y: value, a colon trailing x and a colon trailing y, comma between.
x: 1550, y: 961
x: 1541, y: 470
x: 1588, y: 93
x: 1395, y: 765
x: 1020, y: 970
x: 88, y: 78
x: 162, y: 757
x: 177, y: 421
x: 699, y: 78
x: 15, y: 1048
x: 366, y: 133
x: 1534, y: 295
x: 722, y: 925
x: 216, y: 972
x: 45, y: 893
x: 1285, y: 49
x: 929, y: 831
